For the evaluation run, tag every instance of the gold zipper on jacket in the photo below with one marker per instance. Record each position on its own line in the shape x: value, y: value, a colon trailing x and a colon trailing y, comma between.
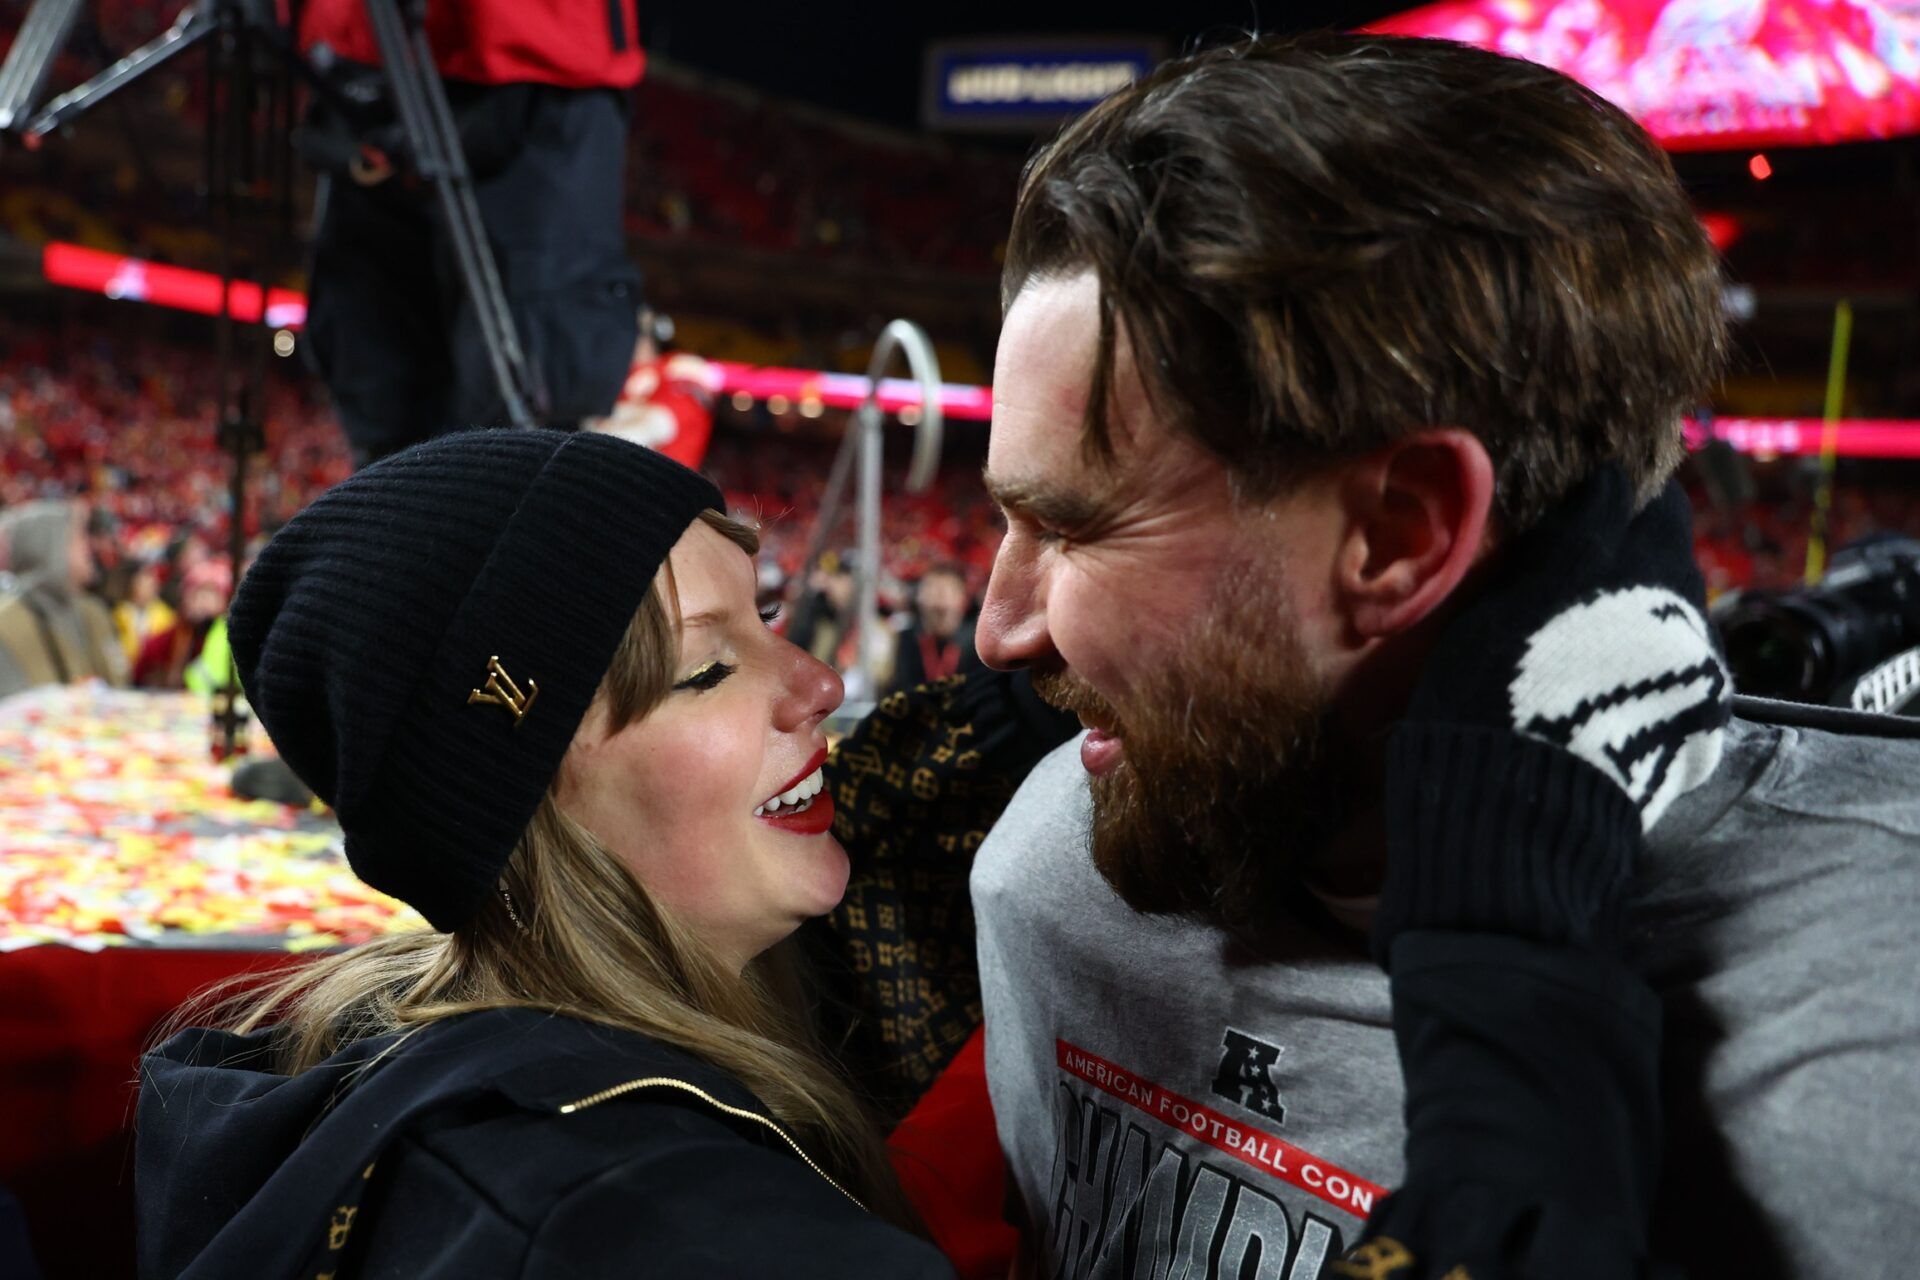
x: 667, y: 1082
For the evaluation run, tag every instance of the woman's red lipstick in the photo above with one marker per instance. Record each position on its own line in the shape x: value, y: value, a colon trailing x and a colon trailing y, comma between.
x: 813, y: 815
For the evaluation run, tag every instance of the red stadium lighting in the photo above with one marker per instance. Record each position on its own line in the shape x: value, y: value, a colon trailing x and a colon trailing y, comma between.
x: 133, y: 280
x: 130, y: 278
x: 1759, y: 168
x: 1722, y: 229
x: 1769, y: 438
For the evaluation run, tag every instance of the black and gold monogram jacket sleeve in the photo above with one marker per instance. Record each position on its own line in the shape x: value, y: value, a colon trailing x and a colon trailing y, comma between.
x: 916, y: 787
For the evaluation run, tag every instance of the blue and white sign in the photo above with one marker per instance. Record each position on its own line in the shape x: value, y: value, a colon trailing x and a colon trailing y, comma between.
x: 1020, y: 85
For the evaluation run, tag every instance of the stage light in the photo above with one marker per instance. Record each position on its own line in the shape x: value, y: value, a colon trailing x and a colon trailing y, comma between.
x: 909, y: 415
x: 742, y: 401
x: 1759, y: 167
x: 283, y: 342
x: 777, y: 406
x: 811, y: 407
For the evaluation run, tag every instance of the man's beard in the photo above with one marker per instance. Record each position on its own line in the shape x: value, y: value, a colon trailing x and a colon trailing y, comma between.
x: 1226, y: 789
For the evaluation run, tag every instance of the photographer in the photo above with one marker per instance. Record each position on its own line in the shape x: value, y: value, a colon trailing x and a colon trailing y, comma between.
x: 540, y: 97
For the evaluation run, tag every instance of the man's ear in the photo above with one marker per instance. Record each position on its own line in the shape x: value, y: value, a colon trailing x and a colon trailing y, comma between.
x: 1417, y: 514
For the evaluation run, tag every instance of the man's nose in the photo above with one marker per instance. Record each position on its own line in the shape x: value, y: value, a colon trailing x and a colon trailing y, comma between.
x: 1012, y: 629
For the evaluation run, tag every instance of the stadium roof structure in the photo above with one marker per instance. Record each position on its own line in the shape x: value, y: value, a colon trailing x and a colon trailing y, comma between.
x: 1714, y: 74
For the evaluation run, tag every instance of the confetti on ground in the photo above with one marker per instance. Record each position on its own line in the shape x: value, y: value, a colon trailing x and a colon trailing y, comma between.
x: 116, y: 827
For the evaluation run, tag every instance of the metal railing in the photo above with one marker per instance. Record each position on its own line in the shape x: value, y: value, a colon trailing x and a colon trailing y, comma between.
x: 862, y: 447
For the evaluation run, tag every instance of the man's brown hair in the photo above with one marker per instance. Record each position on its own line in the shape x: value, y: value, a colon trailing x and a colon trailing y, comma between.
x: 1315, y: 245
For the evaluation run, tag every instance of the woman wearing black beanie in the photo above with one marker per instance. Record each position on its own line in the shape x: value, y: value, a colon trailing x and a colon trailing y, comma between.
x: 526, y: 670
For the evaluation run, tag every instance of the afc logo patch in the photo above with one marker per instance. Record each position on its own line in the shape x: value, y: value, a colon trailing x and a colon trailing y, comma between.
x: 1246, y: 1075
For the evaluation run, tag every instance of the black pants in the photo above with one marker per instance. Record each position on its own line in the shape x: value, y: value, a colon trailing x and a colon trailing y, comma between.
x: 390, y: 327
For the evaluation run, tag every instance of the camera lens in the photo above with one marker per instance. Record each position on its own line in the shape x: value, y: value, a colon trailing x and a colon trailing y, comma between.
x: 1776, y: 652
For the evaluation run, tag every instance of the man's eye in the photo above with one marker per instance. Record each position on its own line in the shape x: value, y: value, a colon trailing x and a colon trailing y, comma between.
x: 706, y: 677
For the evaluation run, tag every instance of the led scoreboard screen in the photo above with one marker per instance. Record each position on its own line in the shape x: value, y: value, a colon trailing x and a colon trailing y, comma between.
x: 1702, y: 74
x: 1025, y: 85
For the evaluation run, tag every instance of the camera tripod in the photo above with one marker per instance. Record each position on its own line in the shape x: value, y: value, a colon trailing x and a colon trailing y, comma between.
x: 252, y: 63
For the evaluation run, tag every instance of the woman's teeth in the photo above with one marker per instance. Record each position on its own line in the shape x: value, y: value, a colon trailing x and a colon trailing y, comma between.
x: 797, y: 798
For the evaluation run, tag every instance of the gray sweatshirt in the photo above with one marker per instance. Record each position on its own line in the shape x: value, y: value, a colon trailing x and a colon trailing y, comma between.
x: 1170, y: 1108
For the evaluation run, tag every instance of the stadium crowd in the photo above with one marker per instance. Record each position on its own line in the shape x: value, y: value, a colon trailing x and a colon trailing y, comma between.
x: 708, y: 162
x: 124, y: 423
x: 731, y: 167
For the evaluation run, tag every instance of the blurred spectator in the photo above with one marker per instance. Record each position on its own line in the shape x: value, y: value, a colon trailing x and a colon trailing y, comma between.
x: 141, y: 614
x: 103, y: 537
x: 51, y: 631
x: 938, y: 639
x: 664, y: 403
x: 183, y: 557
x: 170, y: 658
x: 822, y: 623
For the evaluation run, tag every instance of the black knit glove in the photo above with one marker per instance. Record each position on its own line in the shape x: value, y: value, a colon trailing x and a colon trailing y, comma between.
x: 1558, y: 716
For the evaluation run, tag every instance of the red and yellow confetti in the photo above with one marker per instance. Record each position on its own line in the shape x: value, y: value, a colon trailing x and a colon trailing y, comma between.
x: 116, y: 826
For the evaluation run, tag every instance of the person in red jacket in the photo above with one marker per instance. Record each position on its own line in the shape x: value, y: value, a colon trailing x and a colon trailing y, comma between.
x: 666, y: 402
x: 573, y: 44
x: 539, y: 91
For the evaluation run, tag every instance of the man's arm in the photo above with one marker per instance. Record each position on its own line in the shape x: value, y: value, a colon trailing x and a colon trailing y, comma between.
x: 1558, y: 715
x: 1533, y: 1114
x: 916, y: 786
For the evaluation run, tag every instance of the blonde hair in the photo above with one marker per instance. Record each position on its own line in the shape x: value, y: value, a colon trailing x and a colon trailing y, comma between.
x: 590, y: 943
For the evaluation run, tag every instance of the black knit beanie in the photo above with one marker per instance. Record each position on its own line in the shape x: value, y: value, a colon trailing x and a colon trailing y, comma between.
x: 422, y: 642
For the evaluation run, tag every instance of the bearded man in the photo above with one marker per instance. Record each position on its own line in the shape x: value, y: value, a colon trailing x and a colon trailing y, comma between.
x: 1336, y: 410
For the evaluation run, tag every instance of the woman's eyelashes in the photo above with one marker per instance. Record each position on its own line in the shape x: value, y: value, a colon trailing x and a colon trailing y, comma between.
x: 713, y: 672
x: 709, y: 675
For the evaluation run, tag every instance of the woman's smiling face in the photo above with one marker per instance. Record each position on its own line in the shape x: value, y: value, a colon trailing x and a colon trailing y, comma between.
x: 685, y: 795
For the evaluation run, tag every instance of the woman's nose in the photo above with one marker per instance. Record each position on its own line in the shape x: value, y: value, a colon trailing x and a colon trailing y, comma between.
x: 813, y: 690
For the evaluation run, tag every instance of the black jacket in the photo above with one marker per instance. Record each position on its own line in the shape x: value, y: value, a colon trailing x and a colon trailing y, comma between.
x: 507, y: 1143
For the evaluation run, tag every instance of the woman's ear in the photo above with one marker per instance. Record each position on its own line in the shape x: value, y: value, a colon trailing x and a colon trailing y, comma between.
x: 1417, y: 514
